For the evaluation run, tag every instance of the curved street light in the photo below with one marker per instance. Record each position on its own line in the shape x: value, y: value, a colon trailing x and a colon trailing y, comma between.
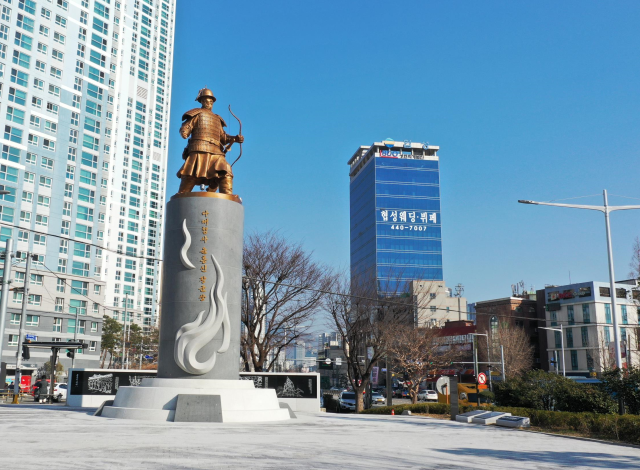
x: 606, y: 209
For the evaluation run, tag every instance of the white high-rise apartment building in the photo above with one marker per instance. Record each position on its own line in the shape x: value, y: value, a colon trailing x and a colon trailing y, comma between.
x: 85, y: 88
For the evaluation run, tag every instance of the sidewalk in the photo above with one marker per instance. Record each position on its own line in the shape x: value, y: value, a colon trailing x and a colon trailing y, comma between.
x: 79, y: 440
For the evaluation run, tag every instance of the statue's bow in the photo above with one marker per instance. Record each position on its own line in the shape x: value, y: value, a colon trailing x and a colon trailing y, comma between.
x: 239, y: 133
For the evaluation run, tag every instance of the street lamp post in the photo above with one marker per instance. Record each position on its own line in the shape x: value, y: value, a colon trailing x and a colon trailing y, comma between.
x: 75, y: 338
x: 124, y: 328
x: 606, y: 209
x: 6, y: 279
x: 564, y: 371
x: 21, y: 332
x: 488, y: 361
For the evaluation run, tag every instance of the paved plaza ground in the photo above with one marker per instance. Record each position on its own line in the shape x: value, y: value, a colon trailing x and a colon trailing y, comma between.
x: 38, y: 436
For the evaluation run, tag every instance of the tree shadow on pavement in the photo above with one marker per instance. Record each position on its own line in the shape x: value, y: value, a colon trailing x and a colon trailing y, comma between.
x: 407, y: 420
x: 582, y: 459
x: 50, y: 407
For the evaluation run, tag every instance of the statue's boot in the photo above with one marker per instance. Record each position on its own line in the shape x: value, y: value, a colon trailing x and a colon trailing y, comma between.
x: 186, y: 184
x: 226, y: 185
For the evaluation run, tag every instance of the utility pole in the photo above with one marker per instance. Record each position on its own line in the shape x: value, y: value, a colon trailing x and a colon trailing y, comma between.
x: 75, y: 338
x: 628, y: 351
x: 459, y: 291
x: 490, y: 365
x: 389, y: 383
x: 124, y: 329
x: 475, y: 367
x: 23, y: 319
x: 6, y: 279
x: 559, y: 330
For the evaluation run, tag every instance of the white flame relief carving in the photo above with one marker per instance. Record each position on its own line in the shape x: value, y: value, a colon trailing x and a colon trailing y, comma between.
x: 187, y: 243
x: 192, y: 337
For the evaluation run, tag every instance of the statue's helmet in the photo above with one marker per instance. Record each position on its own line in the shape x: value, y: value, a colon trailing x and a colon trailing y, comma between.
x: 205, y: 93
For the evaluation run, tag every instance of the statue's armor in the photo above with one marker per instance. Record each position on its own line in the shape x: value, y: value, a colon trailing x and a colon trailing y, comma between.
x: 206, y: 130
x: 204, y: 155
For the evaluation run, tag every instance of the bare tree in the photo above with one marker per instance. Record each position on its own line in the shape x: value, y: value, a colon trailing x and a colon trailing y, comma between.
x: 418, y: 352
x: 635, y: 260
x: 365, y: 321
x: 605, y: 358
x: 282, y: 291
x: 518, y: 351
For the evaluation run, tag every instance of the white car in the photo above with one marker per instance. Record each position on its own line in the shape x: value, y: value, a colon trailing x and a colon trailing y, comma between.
x: 60, y: 392
x: 347, y: 402
x: 427, y: 395
x: 377, y: 398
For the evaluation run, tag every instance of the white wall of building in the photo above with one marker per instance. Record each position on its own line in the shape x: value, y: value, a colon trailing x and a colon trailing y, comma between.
x: 435, y: 303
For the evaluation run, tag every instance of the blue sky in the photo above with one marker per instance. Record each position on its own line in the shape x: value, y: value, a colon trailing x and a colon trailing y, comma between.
x: 527, y: 100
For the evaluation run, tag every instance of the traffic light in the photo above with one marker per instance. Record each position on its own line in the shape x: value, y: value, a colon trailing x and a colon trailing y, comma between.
x: 71, y: 353
x: 26, y: 355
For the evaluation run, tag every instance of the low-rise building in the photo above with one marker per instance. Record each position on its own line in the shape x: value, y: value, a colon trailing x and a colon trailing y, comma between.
x: 56, y: 307
x: 516, y: 311
x: 459, y: 334
x: 583, y: 312
x: 436, y: 304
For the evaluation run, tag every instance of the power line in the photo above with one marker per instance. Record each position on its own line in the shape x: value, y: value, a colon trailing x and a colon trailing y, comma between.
x: 576, y: 197
x: 391, y: 302
x: 626, y: 197
x: 75, y: 291
x: 77, y: 241
x: 321, y: 291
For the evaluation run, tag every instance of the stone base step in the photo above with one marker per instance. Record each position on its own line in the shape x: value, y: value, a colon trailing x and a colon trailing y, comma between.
x: 156, y: 400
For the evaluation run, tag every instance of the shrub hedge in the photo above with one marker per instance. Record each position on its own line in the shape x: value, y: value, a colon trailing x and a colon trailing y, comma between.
x: 427, y: 408
x: 625, y: 428
x: 542, y: 390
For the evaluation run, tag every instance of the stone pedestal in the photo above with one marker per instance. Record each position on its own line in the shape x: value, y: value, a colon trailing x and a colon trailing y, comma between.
x: 200, y: 322
x: 211, y: 226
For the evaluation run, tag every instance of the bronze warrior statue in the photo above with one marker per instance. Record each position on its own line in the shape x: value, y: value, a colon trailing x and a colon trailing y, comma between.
x: 204, y: 155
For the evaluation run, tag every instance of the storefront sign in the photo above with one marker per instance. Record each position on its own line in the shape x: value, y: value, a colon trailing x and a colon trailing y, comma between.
x: 621, y: 293
x: 374, y: 375
x: 570, y: 294
x: 557, y: 295
x: 394, y: 154
x: 584, y: 292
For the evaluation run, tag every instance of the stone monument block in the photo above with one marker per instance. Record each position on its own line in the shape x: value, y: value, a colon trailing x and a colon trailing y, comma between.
x: 198, y: 409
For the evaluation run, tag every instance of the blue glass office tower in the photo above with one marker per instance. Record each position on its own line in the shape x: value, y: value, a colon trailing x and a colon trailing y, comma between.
x: 395, y: 214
